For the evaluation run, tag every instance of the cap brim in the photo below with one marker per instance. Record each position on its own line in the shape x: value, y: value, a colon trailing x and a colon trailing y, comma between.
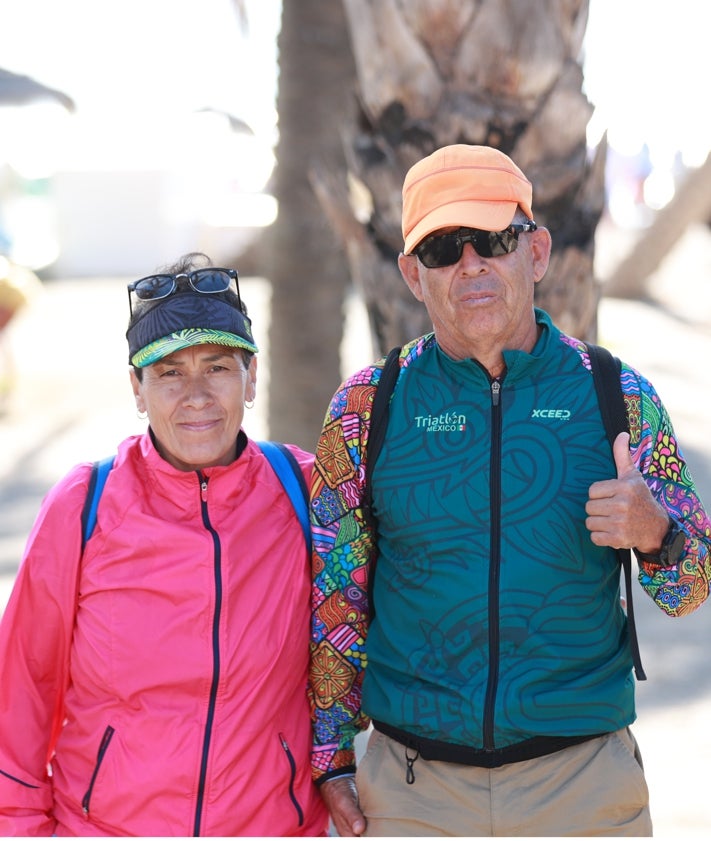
x: 485, y: 215
x: 189, y: 337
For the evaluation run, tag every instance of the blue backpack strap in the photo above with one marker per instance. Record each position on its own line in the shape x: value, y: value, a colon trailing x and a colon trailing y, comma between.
x: 99, y: 474
x: 289, y: 473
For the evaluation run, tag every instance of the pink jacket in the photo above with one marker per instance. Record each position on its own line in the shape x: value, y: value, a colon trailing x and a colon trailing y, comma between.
x: 185, y: 710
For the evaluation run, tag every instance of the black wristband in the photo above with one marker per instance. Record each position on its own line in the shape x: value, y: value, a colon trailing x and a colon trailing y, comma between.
x: 671, y: 548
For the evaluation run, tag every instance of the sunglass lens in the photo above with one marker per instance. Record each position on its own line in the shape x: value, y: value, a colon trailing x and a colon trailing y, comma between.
x: 156, y: 286
x: 209, y: 280
x: 446, y: 249
x: 443, y: 250
x: 501, y: 242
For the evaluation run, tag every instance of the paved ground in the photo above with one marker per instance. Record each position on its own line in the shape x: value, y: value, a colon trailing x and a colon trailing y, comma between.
x: 73, y: 403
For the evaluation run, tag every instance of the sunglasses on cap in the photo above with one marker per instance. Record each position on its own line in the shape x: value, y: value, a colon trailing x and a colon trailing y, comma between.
x: 441, y: 250
x: 206, y: 281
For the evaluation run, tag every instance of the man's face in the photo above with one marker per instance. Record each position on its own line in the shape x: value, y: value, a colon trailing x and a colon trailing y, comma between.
x: 481, y: 302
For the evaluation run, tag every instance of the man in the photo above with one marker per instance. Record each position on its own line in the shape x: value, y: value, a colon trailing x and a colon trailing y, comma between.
x: 498, y: 675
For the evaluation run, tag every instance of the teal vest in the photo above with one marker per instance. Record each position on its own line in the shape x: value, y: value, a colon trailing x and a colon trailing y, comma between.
x: 496, y: 618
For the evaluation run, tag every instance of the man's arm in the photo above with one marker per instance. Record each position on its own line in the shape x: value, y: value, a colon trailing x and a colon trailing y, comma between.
x: 653, y: 484
x: 343, y: 547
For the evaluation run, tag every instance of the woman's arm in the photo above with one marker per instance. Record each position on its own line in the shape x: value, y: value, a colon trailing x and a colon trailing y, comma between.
x: 35, y: 639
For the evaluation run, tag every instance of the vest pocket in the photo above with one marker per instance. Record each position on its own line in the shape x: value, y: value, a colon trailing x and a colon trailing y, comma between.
x: 292, y: 778
x: 101, y: 753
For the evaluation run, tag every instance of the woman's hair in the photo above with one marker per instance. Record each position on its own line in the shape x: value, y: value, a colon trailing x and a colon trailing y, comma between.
x: 184, y: 265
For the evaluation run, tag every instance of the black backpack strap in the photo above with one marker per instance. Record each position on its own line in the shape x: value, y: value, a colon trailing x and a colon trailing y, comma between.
x: 378, y: 425
x: 376, y: 435
x: 606, y: 370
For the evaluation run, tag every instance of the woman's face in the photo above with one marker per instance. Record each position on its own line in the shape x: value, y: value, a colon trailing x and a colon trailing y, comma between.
x: 195, y: 403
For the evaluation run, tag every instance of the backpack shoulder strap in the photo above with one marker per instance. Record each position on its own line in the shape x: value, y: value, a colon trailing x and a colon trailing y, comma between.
x: 376, y: 435
x: 281, y: 459
x: 97, y: 480
x: 378, y: 424
x: 289, y: 474
x: 606, y: 370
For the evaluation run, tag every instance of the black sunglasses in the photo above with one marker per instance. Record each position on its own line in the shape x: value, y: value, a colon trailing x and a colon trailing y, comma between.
x: 441, y: 250
x: 207, y: 281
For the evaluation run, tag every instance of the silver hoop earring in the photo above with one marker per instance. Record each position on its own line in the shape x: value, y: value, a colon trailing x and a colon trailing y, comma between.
x: 249, y: 404
x: 141, y: 415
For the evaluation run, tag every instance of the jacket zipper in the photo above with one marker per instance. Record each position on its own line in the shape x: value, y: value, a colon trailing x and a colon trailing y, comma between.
x: 292, y: 778
x: 494, y: 567
x: 101, y: 753
x: 17, y: 780
x: 215, y: 656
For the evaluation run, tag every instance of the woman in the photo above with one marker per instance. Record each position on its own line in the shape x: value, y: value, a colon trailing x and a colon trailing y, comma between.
x: 156, y: 685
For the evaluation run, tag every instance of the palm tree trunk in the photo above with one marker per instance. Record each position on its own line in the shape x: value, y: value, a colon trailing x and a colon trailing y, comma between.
x: 301, y: 255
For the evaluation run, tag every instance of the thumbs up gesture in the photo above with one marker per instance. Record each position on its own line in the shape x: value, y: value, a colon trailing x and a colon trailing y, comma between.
x: 622, y: 512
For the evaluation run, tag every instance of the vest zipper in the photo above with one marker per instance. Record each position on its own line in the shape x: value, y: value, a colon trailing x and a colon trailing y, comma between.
x: 495, y: 392
x: 494, y: 567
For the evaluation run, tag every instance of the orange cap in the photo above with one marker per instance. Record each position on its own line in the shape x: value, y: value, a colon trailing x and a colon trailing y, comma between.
x: 463, y: 186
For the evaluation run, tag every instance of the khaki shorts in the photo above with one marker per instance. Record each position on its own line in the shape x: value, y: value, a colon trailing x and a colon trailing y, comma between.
x: 594, y: 788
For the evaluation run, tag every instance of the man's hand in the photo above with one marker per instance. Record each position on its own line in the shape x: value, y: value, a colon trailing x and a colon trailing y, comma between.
x: 622, y: 512
x: 341, y: 797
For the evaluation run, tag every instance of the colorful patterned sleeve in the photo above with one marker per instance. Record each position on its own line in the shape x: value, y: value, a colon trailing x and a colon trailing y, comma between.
x: 343, y: 546
x: 681, y: 588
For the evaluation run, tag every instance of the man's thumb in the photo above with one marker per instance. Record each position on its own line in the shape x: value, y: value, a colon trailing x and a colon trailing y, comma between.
x: 622, y: 456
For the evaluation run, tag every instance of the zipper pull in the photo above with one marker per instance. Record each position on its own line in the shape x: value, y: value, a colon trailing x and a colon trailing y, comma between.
x: 203, y: 490
x: 410, y: 760
x: 495, y: 392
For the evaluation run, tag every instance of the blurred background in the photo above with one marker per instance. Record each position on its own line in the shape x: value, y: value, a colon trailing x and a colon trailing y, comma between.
x: 164, y: 121
x: 276, y: 140
x: 133, y: 132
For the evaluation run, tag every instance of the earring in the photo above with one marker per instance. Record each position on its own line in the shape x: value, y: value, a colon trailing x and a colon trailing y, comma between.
x: 141, y: 415
x: 249, y: 404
